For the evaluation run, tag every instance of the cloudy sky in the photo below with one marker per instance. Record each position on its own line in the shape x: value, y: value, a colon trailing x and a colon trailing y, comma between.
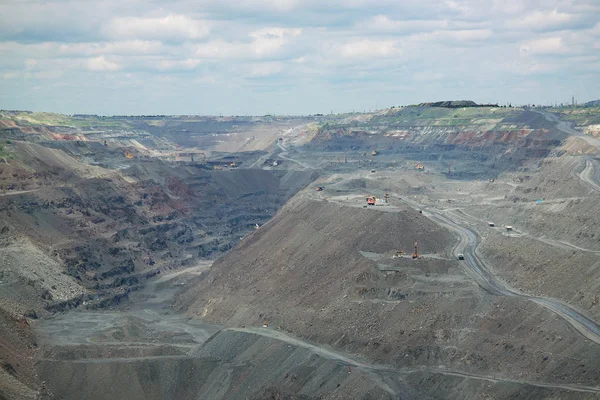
x: 293, y: 56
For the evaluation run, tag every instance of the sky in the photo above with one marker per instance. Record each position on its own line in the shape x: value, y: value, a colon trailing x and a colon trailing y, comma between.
x: 255, y: 57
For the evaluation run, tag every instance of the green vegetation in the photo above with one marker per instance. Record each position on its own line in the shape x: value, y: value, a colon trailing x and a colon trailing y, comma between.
x: 39, y: 118
x: 581, y: 116
x: 485, y: 118
x: 24, y: 118
x: 4, y: 152
x: 99, y: 122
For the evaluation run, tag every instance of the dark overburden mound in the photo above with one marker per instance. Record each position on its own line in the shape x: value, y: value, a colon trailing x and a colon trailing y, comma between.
x: 456, y: 104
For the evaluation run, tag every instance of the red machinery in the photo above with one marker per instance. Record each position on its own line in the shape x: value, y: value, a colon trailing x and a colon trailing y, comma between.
x: 416, y: 253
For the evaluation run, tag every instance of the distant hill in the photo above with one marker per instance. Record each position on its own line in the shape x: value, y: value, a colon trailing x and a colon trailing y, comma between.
x: 593, y: 103
x: 456, y: 104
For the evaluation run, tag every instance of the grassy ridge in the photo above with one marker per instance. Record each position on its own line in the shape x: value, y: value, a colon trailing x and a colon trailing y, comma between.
x: 398, y: 118
x: 54, y: 119
x: 4, y: 151
x: 581, y: 116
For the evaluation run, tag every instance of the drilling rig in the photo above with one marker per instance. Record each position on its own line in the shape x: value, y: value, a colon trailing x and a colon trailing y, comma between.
x: 416, y: 253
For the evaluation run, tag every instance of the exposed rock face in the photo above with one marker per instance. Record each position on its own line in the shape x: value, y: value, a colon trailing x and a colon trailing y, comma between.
x: 74, y: 235
x: 325, y: 272
x: 485, y: 145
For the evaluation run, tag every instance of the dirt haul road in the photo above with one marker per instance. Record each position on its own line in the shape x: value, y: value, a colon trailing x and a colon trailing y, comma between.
x: 383, y: 371
x: 285, y: 150
x: 567, y: 128
x: 292, y: 132
x: 151, y: 311
x: 149, y: 332
x: 469, y: 241
x: 560, y: 244
x: 488, y: 281
x: 590, y: 175
x: 485, y: 279
x: 83, y: 331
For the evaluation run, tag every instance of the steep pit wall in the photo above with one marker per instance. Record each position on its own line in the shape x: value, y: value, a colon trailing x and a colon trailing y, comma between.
x: 325, y: 272
x: 231, y: 365
x: 476, y: 150
x: 75, y: 241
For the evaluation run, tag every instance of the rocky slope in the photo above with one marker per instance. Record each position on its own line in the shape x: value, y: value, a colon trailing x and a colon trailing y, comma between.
x: 480, y: 142
x: 325, y: 272
x: 73, y: 234
x: 230, y: 365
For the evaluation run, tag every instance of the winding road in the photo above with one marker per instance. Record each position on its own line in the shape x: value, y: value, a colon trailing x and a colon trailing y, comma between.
x: 485, y: 279
x: 285, y: 151
x: 590, y: 175
x: 382, y: 370
x: 90, y: 327
x: 477, y: 270
x: 567, y: 128
x: 482, y: 276
x: 560, y: 244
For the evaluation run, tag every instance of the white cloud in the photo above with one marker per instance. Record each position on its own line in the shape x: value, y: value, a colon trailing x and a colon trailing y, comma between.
x: 100, y: 63
x: 541, y: 20
x: 267, y: 41
x: 466, y: 35
x: 367, y: 48
x: 30, y: 64
x: 551, y: 45
x: 49, y: 74
x: 220, y: 49
x: 457, y: 36
x: 264, y: 42
x: 119, y: 47
x: 323, y: 43
x: 171, y: 27
x: 384, y: 23
x: 265, y: 69
x: 167, y: 65
x: 276, y: 5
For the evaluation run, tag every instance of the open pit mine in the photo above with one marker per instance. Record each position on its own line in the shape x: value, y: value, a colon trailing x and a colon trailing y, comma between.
x: 439, y: 251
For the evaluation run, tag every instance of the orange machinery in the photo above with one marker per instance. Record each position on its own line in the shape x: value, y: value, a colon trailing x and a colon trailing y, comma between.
x: 416, y: 253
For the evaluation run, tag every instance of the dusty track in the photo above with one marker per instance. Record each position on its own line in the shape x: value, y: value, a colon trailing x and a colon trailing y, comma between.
x: 18, y: 192
x: 477, y: 270
x: 590, y: 175
x: 152, y: 308
x: 485, y: 279
x: 285, y: 151
x: 469, y: 241
x: 560, y: 244
x: 566, y: 127
x: 384, y: 369
x: 85, y: 328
